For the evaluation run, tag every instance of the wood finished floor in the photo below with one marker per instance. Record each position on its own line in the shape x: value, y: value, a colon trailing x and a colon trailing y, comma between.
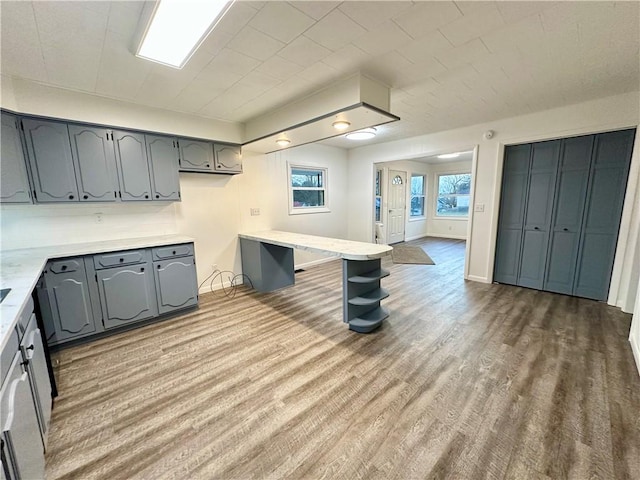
x: 464, y: 380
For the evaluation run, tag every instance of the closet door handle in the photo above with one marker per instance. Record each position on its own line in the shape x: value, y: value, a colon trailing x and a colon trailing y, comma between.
x: 565, y: 229
x: 536, y: 228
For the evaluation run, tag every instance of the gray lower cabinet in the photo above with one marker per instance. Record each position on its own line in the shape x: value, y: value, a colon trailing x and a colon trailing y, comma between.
x: 133, y: 166
x: 163, y: 160
x: 176, y: 286
x: 34, y: 357
x: 228, y: 158
x: 22, y: 446
x: 127, y: 294
x: 94, y: 162
x: 195, y: 155
x: 52, y: 168
x: 14, y: 186
x: 70, y: 313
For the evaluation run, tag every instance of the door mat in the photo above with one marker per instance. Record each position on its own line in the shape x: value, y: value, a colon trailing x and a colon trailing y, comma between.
x: 410, y: 254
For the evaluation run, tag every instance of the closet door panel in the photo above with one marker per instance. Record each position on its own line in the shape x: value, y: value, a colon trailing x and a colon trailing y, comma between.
x: 534, y: 250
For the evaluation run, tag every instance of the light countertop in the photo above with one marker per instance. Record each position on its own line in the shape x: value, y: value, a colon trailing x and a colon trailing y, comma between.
x: 21, y: 269
x: 333, y: 247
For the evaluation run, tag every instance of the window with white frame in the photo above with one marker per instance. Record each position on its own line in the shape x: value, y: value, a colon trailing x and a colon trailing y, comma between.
x: 307, y: 189
x: 378, y: 197
x: 417, y: 196
x: 453, y: 195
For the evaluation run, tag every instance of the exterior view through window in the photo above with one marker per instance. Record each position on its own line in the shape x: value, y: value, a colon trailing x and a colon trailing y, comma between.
x: 417, y: 196
x: 378, y: 201
x: 453, y: 195
x: 308, y: 188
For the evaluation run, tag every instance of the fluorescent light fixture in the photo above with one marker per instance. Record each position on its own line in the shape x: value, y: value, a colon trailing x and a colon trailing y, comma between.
x: 341, y: 124
x: 178, y: 28
x: 449, y: 155
x: 283, y: 142
x: 364, y: 134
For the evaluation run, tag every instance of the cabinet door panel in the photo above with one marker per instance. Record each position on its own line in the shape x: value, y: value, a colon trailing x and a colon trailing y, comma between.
x: 20, y: 429
x: 94, y: 163
x: 14, y: 186
x: 70, y: 304
x: 163, y: 158
x: 51, y: 161
x: 607, y: 187
x: 196, y: 156
x: 176, y: 284
x: 562, y: 262
x: 532, y: 264
x: 133, y: 166
x: 228, y: 158
x: 127, y: 294
x: 512, y: 208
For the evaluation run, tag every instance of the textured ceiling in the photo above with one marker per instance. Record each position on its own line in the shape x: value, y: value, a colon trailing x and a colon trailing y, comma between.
x: 448, y: 64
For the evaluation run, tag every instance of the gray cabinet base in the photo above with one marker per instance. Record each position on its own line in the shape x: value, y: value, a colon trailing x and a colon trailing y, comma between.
x: 269, y: 267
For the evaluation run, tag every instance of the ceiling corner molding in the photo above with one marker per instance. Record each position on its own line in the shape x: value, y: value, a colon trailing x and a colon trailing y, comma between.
x: 358, y: 99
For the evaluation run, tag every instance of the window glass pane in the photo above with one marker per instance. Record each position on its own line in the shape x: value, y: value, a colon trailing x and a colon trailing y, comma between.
x: 397, y: 180
x: 378, y: 201
x: 452, y: 184
x: 417, y: 206
x: 306, y: 178
x: 308, y: 198
x: 453, y: 205
x: 378, y: 175
x: 417, y: 185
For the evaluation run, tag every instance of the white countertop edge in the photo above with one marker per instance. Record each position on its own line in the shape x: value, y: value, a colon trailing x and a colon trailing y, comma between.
x: 20, y: 269
x: 334, y: 247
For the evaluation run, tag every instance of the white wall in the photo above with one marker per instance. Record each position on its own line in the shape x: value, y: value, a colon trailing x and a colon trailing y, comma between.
x: 598, y: 115
x: 634, y: 334
x: 214, y: 208
x: 446, y: 227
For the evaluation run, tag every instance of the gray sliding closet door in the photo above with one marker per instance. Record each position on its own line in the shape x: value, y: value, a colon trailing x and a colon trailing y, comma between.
x: 605, y: 197
x: 537, y: 220
x: 512, y: 207
x: 573, y: 177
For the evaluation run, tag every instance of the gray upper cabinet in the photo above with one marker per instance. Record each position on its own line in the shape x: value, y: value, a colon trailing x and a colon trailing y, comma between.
x: 51, y: 162
x: 163, y: 161
x: 127, y: 294
x: 133, y: 166
x: 195, y: 155
x: 228, y: 158
x: 15, y: 180
x: 94, y: 162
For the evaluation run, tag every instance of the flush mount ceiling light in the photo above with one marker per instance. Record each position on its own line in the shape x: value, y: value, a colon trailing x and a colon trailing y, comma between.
x: 364, y: 134
x: 178, y: 27
x: 283, y: 142
x: 341, y: 124
x: 449, y: 155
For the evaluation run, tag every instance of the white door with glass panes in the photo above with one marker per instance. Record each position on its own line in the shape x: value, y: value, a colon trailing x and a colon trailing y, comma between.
x: 396, y: 203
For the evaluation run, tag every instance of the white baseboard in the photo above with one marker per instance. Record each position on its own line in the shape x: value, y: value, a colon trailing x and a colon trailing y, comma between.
x: 635, y: 348
x: 476, y: 278
x: 315, y: 262
x: 442, y: 235
x: 415, y: 237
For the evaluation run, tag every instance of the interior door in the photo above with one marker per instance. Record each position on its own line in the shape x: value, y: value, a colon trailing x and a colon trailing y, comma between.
x: 397, y: 198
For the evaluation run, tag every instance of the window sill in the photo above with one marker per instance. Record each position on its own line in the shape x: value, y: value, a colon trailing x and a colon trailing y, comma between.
x: 303, y: 211
x: 418, y: 219
x: 457, y: 219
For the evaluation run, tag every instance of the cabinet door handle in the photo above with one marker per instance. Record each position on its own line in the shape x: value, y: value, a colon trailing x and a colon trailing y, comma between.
x: 121, y: 260
x: 207, y: 165
x: 146, y: 196
x: 157, y: 196
x: 159, y: 267
x: 64, y: 267
x: 174, y: 252
x: 30, y: 347
x: 85, y: 196
x: 70, y: 197
x: 142, y: 269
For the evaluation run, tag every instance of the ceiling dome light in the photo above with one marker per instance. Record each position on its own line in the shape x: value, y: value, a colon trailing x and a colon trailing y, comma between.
x: 449, y: 155
x: 364, y: 134
x: 341, y: 124
x: 283, y: 142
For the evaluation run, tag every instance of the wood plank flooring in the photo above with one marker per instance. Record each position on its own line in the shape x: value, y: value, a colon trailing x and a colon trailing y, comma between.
x: 464, y: 380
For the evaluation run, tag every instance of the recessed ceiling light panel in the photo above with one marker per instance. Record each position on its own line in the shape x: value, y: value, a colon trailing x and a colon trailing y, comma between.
x: 341, y: 124
x: 364, y: 134
x: 178, y: 27
x: 283, y: 142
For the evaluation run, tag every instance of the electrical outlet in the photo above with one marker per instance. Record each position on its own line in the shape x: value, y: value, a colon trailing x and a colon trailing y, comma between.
x: 255, y: 212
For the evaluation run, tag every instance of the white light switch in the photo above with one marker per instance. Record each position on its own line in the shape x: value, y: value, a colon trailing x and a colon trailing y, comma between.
x: 479, y: 207
x: 255, y: 212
